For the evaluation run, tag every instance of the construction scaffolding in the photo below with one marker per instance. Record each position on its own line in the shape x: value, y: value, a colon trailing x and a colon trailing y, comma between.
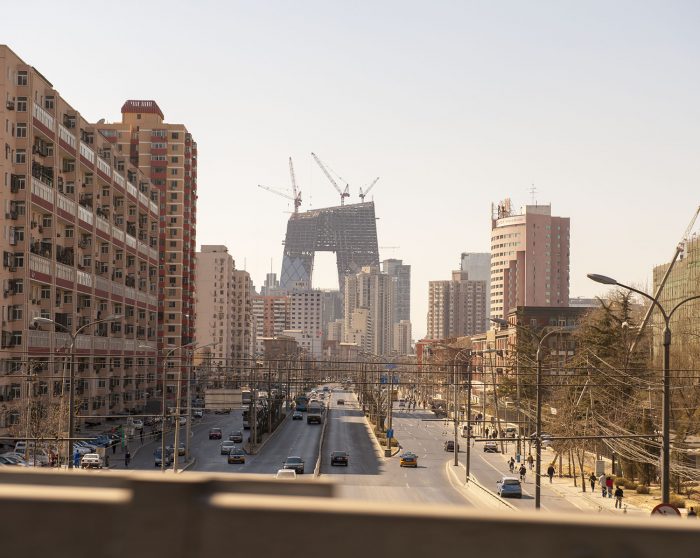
x: 348, y: 230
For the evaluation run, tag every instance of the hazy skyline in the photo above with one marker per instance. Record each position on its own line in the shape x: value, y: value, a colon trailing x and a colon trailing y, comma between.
x: 455, y: 105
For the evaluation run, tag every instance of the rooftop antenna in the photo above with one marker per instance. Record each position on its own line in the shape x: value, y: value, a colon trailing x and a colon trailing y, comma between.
x: 533, y: 191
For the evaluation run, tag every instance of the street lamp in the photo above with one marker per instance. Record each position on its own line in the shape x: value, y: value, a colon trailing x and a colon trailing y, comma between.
x: 538, y: 399
x: 71, y: 374
x: 666, y: 398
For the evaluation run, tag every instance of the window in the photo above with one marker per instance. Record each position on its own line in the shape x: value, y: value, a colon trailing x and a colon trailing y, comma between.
x: 46, y: 220
x: 173, y: 184
x: 69, y: 232
x: 173, y: 159
x: 20, y: 157
x: 49, y: 102
x: 21, y: 104
x: 22, y: 78
x: 175, y: 135
x: 45, y: 292
x: 21, y: 130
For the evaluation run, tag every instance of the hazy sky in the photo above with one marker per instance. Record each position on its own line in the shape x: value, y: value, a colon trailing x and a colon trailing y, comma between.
x: 453, y: 104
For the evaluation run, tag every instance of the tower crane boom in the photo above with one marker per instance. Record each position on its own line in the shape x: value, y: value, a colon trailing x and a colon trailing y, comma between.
x: 296, y: 192
x: 363, y: 194
x: 343, y: 193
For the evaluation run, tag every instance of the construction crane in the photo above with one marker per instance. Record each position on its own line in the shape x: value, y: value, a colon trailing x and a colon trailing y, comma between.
x: 363, y: 194
x: 296, y: 193
x: 296, y: 199
x: 343, y: 193
x: 680, y: 248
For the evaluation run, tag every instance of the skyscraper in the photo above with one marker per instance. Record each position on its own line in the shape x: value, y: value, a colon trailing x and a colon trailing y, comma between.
x: 402, y: 293
x: 529, y: 258
x: 167, y: 155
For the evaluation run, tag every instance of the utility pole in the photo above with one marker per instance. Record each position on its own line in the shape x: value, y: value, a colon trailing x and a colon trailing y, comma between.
x: 188, y: 428
x: 469, y: 415
x: 456, y: 412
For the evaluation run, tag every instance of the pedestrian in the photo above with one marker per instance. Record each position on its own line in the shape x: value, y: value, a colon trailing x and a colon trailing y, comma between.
x: 522, y: 472
x: 127, y: 458
x: 592, y: 480
x: 691, y: 513
x: 530, y: 461
x: 609, y: 486
x: 487, y: 431
x: 618, y: 497
x: 141, y: 435
x: 550, y: 472
x: 601, y: 483
x: 511, y: 464
x: 114, y: 447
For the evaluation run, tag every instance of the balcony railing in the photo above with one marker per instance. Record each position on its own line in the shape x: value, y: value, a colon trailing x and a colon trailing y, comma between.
x: 86, y: 152
x: 44, y: 117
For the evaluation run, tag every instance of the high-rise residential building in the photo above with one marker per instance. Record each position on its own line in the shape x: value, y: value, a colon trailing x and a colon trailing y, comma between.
x: 683, y: 282
x: 167, y: 155
x: 80, y: 245
x: 224, y: 308
x: 529, y: 258
x: 477, y: 266
x: 402, y: 338
x: 402, y: 293
x: 272, y: 317
x: 369, y: 310
x: 306, y: 313
x: 457, y: 307
x: 331, y: 310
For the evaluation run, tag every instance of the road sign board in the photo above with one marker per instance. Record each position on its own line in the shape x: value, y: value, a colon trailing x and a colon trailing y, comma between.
x: 665, y: 509
x: 391, y: 366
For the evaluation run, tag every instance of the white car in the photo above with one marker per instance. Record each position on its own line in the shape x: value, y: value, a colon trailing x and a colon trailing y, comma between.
x: 136, y: 423
x: 91, y: 461
x: 286, y: 474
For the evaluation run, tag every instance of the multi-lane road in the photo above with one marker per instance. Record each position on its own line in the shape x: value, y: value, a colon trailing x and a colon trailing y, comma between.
x: 369, y: 475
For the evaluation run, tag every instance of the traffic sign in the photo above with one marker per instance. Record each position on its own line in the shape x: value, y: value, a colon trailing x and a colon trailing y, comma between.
x: 391, y: 366
x: 666, y: 509
x: 390, y: 433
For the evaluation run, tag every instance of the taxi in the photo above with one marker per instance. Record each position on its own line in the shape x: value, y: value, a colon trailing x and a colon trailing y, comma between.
x: 236, y: 455
x: 408, y: 459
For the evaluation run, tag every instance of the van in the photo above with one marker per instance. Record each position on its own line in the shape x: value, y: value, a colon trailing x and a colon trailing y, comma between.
x: 465, y: 431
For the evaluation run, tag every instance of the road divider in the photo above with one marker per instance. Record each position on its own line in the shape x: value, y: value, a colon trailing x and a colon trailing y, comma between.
x: 326, y: 417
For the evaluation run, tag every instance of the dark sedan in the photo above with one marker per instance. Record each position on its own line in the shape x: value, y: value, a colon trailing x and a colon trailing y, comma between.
x: 236, y: 436
x: 339, y: 458
x: 294, y: 463
x: 215, y: 434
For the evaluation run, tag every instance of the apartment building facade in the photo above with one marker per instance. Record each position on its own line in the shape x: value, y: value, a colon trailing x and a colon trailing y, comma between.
x: 402, y: 292
x: 80, y: 244
x: 529, y: 258
x: 457, y: 307
x: 271, y: 317
x: 167, y: 154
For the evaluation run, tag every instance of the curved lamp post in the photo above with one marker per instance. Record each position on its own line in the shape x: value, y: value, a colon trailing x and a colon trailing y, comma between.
x: 71, y: 374
x: 538, y: 399
x: 666, y: 398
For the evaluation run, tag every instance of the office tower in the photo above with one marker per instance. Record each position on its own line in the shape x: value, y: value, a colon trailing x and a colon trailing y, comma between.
x: 456, y: 307
x: 80, y: 245
x: 529, y: 258
x: 402, y: 274
x: 369, y: 310
x: 167, y: 154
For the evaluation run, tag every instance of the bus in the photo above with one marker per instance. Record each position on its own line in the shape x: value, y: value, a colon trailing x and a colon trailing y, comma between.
x: 246, y: 396
x: 301, y: 402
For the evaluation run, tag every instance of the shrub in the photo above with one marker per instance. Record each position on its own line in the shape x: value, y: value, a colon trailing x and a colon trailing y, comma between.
x: 641, y: 489
x: 631, y: 485
x: 677, y: 501
x: 620, y: 481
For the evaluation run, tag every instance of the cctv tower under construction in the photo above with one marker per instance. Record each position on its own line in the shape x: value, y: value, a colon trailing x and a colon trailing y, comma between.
x: 348, y: 230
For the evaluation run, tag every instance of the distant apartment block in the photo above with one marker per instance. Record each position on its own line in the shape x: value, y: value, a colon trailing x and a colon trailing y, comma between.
x: 272, y: 317
x: 457, y: 307
x: 369, y: 309
x: 529, y: 258
x: 402, y: 338
x: 224, y: 309
x: 167, y: 154
x: 402, y: 291
x: 80, y: 244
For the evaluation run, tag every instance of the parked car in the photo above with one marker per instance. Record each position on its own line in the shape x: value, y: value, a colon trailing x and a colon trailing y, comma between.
x: 136, y: 423
x: 408, y: 459
x: 236, y: 455
x: 236, y: 436
x: 509, y: 487
x: 490, y: 447
x: 226, y: 446
x: 340, y: 458
x: 12, y: 459
x: 297, y: 415
x: 341, y: 402
x: 91, y: 461
x: 450, y: 445
x: 215, y: 434
x: 295, y: 463
x: 197, y: 413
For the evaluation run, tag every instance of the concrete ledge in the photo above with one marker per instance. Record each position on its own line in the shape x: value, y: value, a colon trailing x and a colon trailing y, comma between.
x: 151, y: 515
x: 317, y: 469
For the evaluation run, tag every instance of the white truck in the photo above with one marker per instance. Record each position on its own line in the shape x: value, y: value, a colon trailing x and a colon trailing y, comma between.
x: 314, y: 413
